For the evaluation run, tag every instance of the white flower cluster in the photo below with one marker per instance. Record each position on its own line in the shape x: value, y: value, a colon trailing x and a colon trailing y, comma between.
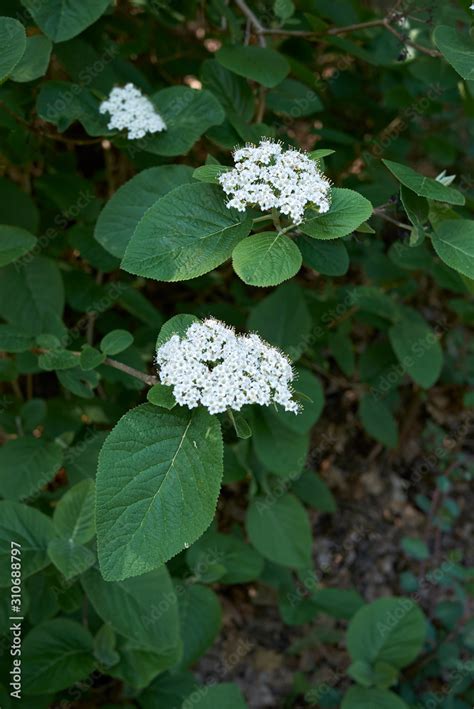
x: 270, y: 177
x: 213, y: 366
x: 129, y: 108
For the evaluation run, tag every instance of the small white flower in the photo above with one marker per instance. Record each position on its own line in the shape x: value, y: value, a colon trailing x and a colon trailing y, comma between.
x: 269, y: 177
x: 129, y: 108
x: 219, y: 369
x: 472, y: 6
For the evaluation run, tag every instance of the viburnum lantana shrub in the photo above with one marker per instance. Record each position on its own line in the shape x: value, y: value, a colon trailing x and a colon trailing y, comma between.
x: 228, y: 229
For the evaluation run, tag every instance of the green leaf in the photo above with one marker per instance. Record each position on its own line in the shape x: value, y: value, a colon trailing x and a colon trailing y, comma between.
x: 241, y: 425
x: 457, y: 49
x: 311, y: 403
x: 90, y: 358
x: 279, y: 529
x: 116, y: 341
x: 283, y: 9
x: 238, y: 561
x: 283, y: 319
x: 188, y: 114
x: 70, y: 558
x: 348, y: 211
x: 417, y: 208
x: 321, y: 153
x: 200, y: 619
x: 424, y: 186
x: 417, y: 348
x: 294, y: 99
x: 39, y: 295
x: 56, y: 655
x: 312, y: 490
x: 362, y: 698
x: 415, y: 548
x: 27, y: 465
x: 144, y: 610
x: 210, y: 173
x: 32, y: 530
x: 378, y: 420
x: 453, y: 241
x: 330, y: 258
x: 279, y: 448
x: 14, y: 243
x: 16, y: 207
x: 390, y: 630
x: 216, y: 695
x: 266, y: 259
x: 74, y: 515
x: 177, y: 325
x: 161, y: 395
x: 338, y: 602
x: 232, y: 92
x: 35, y: 60
x: 185, y: 234
x: 12, y: 340
x: 121, y: 214
x: 266, y: 66
x: 158, y: 479
x: 13, y: 44
x: 62, y: 103
x: 64, y: 19
x: 57, y: 359
x: 105, y: 642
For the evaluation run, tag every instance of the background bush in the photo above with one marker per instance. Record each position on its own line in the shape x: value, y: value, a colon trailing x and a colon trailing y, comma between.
x: 130, y: 585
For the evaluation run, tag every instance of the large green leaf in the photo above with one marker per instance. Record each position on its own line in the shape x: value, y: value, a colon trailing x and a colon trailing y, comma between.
x: 215, y: 695
x: 453, y: 241
x: 62, y: 103
x: 424, y: 186
x: 457, y: 49
x: 185, y: 234
x: 157, y: 485
x: 417, y: 348
x: 32, y: 530
x: 35, y: 60
x: 27, y: 464
x: 232, y: 92
x: 14, y: 243
x: 200, y: 618
x: 279, y: 448
x: 311, y: 403
x: 121, y: 214
x: 266, y: 259
x: 56, y: 654
x: 188, y: 114
x: 233, y: 559
x: 13, y: 44
x: 17, y: 207
x: 348, y: 211
x: 294, y: 99
x: 63, y: 19
x: 362, y: 698
x: 39, y: 295
x: 390, y: 630
x: 74, y: 515
x: 70, y: 558
x: 279, y: 529
x: 144, y: 609
x: 261, y: 64
x: 283, y: 319
x: 330, y: 258
x: 378, y: 420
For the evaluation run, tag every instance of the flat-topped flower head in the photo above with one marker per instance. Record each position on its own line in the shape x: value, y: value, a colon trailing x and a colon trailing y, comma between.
x: 129, y: 108
x: 213, y: 366
x: 269, y: 177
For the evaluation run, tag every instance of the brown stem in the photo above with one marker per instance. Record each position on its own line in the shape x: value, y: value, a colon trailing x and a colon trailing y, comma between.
x: 384, y: 216
x: 253, y: 19
x: 147, y: 378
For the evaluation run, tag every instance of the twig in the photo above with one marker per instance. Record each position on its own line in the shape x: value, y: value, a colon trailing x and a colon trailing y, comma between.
x: 382, y: 215
x: 410, y: 42
x: 253, y: 19
x: 147, y: 378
